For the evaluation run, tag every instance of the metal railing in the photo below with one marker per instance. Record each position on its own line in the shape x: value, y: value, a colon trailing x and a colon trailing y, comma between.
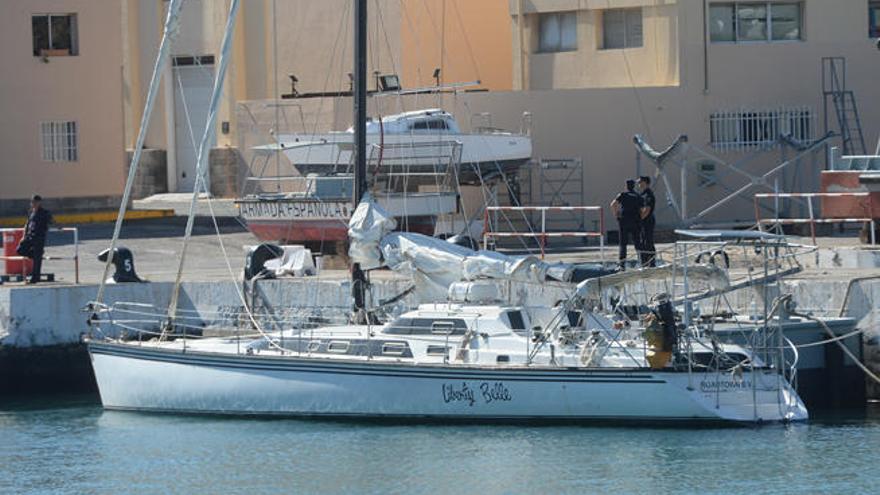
x: 543, y: 235
x: 74, y: 258
x: 811, y: 218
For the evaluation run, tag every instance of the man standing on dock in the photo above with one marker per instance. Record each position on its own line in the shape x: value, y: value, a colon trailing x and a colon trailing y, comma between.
x: 649, y: 253
x: 627, y: 207
x: 34, y: 241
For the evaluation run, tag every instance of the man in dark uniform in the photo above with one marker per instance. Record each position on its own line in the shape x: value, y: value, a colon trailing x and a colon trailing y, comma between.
x: 627, y: 207
x: 34, y: 241
x: 649, y: 252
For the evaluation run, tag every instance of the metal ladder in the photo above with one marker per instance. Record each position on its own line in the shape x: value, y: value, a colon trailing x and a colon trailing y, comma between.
x: 843, y: 100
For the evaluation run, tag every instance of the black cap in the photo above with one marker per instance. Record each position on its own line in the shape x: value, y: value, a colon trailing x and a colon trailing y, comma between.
x: 645, y: 179
x: 630, y: 183
x: 36, y: 197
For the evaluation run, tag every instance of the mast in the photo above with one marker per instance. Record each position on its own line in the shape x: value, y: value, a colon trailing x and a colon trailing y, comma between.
x: 203, y: 152
x: 359, y: 99
x: 172, y: 21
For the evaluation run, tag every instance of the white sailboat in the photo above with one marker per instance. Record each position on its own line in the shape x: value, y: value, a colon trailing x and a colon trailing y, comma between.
x: 472, y: 356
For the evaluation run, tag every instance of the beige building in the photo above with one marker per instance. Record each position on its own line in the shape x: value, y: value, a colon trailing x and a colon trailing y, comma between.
x: 60, y: 95
x: 731, y: 75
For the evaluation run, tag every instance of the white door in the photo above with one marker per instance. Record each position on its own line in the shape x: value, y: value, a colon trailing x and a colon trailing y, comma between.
x: 193, y: 80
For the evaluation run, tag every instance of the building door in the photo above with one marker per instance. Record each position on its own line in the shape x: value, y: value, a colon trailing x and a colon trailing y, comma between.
x: 193, y: 79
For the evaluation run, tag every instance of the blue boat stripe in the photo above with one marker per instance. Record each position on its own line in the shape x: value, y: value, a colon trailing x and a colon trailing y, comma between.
x: 569, y: 376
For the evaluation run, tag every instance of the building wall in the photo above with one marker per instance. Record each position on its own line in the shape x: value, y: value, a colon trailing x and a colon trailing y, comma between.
x: 86, y: 88
x: 574, y: 118
x: 655, y: 63
x: 475, y: 44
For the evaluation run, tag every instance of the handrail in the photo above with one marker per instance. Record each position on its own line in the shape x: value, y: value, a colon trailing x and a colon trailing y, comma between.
x: 811, y: 219
x: 543, y: 235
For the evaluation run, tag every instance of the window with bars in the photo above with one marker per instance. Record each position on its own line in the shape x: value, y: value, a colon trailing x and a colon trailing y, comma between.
x: 54, y: 35
x: 874, y: 19
x: 742, y: 22
x: 621, y: 28
x: 557, y: 32
x: 59, y: 140
x: 754, y: 129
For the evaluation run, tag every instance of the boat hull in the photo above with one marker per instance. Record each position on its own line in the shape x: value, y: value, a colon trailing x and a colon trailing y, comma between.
x: 311, y: 231
x: 147, y: 378
x: 304, y: 220
x: 483, y: 156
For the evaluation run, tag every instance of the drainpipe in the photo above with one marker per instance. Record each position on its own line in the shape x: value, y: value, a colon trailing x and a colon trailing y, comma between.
x: 705, y: 46
x: 520, y: 22
x: 170, y: 137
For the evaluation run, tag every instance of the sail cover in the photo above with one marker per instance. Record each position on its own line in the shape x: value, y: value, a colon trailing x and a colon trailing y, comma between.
x: 434, y: 263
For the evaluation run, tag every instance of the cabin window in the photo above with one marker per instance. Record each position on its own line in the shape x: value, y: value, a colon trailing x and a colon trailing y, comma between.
x: 502, y: 358
x: 339, y: 346
x: 621, y: 28
x: 437, y: 350
x: 394, y: 348
x: 874, y: 19
x: 429, y: 125
x: 515, y: 318
x: 314, y: 345
x: 557, y: 32
x: 59, y: 141
x: 739, y: 22
x: 426, y: 326
x: 54, y: 35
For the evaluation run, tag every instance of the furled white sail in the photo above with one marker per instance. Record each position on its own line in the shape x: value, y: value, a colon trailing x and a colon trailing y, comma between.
x: 434, y: 263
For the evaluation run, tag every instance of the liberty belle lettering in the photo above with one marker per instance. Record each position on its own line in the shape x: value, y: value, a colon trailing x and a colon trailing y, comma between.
x: 488, y: 392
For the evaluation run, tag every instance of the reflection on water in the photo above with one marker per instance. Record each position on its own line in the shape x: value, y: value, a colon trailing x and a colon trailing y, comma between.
x: 73, y: 446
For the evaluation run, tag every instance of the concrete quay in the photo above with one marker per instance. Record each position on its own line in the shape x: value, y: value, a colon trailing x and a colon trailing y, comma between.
x: 41, y: 326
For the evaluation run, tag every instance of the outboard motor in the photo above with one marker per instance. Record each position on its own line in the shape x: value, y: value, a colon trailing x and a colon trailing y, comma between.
x: 123, y: 261
x: 255, y: 262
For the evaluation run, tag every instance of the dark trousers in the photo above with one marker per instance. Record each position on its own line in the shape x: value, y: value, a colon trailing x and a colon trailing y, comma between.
x: 37, y: 256
x: 629, y: 229
x: 648, y: 254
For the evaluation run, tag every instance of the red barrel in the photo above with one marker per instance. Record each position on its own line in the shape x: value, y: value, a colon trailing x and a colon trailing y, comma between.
x: 11, y: 238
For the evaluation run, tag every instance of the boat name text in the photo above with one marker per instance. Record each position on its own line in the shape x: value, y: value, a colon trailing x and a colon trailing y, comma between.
x: 470, y: 395
x: 724, y: 385
x: 296, y: 209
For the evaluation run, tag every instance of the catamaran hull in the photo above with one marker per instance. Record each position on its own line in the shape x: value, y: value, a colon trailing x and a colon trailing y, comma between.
x: 139, y: 378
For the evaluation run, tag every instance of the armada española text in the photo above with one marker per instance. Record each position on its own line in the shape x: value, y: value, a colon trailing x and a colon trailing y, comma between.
x: 295, y: 209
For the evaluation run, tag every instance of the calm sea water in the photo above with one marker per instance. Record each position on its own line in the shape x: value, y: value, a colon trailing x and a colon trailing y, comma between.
x: 73, y: 446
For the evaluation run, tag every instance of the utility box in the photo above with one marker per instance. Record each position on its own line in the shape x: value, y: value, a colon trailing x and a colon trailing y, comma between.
x: 11, y: 239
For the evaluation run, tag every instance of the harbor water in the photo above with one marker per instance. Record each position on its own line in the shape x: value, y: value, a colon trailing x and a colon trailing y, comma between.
x: 72, y: 445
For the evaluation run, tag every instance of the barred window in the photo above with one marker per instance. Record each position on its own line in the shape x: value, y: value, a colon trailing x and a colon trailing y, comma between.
x: 60, y: 141
x: 753, y: 129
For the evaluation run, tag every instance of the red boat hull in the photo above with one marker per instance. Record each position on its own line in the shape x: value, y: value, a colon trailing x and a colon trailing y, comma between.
x: 325, y: 230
